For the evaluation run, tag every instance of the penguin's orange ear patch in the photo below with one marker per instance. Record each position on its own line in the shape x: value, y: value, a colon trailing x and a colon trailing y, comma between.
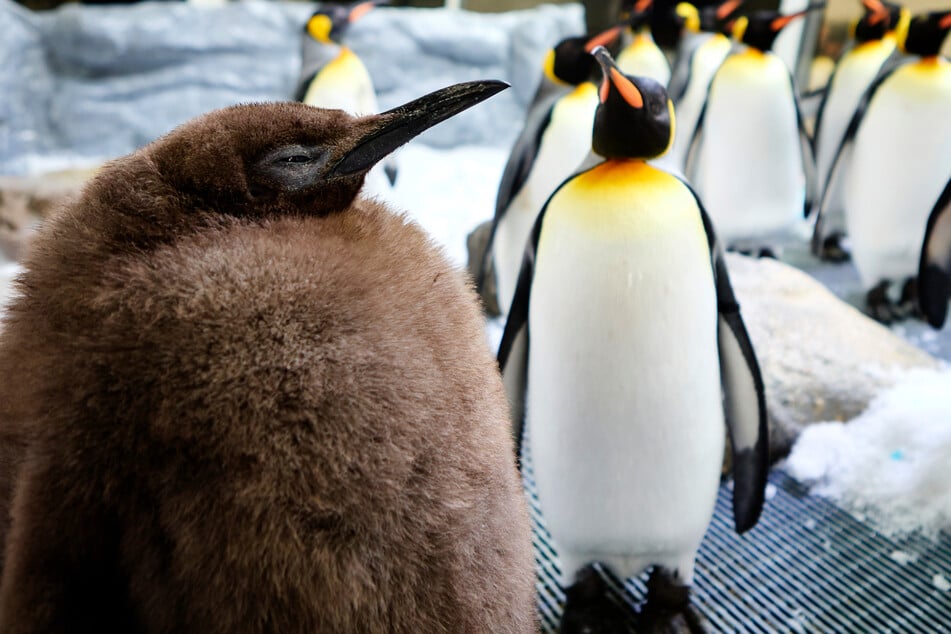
x: 945, y: 22
x: 628, y: 90
x: 780, y: 22
x: 642, y: 5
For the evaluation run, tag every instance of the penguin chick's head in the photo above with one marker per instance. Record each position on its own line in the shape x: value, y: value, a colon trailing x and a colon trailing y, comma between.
x: 635, y: 119
x: 329, y: 23
x: 266, y: 159
x: 571, y: 63
x: 759, y: 29
x: 926, y: 33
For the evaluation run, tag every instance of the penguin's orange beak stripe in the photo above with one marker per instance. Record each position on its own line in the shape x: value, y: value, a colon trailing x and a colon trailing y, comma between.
x: 628, y: 91
x: 603, y: 39
x: 360, y: 10
x: 727, y: 8
x: 782, y: 21
x: 879, y: 12
x: 642, y: 5
x: 945, y: 22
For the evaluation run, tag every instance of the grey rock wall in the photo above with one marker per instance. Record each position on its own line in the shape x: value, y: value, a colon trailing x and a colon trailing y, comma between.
x: 85, y: 83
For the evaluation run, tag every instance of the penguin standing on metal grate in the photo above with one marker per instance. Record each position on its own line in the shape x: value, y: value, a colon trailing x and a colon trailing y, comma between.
x: 623, y: 347
x: 240, y: 398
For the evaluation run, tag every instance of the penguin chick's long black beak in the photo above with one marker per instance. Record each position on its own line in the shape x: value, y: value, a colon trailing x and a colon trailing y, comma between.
x: 401, y: 124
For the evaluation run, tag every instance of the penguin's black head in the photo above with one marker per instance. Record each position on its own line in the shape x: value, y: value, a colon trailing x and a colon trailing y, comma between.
x: 878, y: 19
x: 926, y: 33
x: 759, y: 29
x: 570, y: 62
x: 709, y: 19
x: 635, y: 119
x: 329, y: 23
x: 267, y: 159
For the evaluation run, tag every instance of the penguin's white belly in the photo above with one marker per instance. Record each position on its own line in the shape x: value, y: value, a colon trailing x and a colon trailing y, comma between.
x: 623, y: 400
x: 899, y: 168
x: 644, y: 58
x: 564, y: 145
x: 854, y: 74
x: 704, y: 64
x: 749, y: 167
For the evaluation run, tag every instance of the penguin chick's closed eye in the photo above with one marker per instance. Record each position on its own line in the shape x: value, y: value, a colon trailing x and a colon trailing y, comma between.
x: 237, y: 398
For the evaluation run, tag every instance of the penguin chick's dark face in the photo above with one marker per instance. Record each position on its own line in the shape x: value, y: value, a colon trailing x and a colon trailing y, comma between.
x: 926, y: 33
x: 635, y: 118
x: 265, y: 159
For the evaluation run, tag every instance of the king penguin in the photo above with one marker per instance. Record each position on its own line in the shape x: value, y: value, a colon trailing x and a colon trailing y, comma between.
x: 623, y: 330
x: 554, y: 141
x: 704, y: 46
x: 899, y: 140
x: 875, y: 50
x: 639, y: 54
x: 332, y: 76
x: 242, y: 398
x: 751, y: 157
x: 934, y: 267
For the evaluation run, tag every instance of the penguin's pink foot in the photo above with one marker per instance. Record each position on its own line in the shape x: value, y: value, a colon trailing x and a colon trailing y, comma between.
x: 589, y: 610
x: 832, y: 249
x: 668, y: 609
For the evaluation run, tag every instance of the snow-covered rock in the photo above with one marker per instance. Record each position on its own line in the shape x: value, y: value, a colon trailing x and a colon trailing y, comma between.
x: 83, y: 83
x: 821, y: 358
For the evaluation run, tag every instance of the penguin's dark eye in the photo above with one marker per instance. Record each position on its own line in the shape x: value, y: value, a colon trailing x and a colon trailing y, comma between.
x: 297, y: 158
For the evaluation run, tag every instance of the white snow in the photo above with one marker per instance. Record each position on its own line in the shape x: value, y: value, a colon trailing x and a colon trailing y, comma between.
x: 891, y: 464
x: 941, y: 582
x: 903, y: 558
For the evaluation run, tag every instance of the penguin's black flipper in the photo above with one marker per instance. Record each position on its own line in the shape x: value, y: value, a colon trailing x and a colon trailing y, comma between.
x: 304, y: 85
x: 520, y: 161
x: 744, y: 395
x: 934, y: 269
x: 808, y: 149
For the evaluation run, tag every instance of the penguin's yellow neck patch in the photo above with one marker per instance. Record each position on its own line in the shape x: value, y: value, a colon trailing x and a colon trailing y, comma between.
x: 548, y: 67
x: 621, y: 199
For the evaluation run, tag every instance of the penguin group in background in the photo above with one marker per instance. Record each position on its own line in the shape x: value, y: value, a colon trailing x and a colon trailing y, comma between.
x: 875, y: 49
x: 554, y: 141
x: 622, y: 331
x: 899, y: 140
x: 703, y: 48
x: 332, y: 76
x: 241, y: 398
x: 639, y: 54
x: 751, y: 157
x: 934, y: 267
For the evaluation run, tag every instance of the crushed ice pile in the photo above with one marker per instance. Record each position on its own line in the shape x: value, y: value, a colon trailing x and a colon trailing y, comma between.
x: 890, y: 465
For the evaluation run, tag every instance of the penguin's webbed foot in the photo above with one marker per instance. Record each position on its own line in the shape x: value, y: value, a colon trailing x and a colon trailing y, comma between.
x: 908, y: 304
x: 668, y: 609
x: 589, y: 609
x: 767, y: 252
x: 880, y: 307
x: 832, y: 249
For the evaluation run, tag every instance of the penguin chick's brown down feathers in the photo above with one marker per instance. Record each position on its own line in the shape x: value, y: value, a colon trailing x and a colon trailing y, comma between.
x: 236, y: 398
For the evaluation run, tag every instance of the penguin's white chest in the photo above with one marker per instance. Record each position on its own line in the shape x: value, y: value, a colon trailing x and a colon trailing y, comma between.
x: 899, y: 167
x: 564, y: 145
x: 345, y: 84
x: 853, y: 75
x: 749, y: 170
x: 703, y: 65
x: 623, y: 400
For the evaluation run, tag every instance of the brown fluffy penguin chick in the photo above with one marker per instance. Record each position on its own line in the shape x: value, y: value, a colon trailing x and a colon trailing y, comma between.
x: 240, y: 399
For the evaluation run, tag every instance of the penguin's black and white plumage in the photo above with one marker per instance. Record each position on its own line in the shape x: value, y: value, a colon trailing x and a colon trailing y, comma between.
x: 704, y: 46
x: 751, y: 157
x: 238, y: 397
x: 623, y: 346
x: 899, y: 141
x: 875, y: 50
x: 934, y: 267
x: 640, y: 55
x: 333, y: 76
x: 554, y: 141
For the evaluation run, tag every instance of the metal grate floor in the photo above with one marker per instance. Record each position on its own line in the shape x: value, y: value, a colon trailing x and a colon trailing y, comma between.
x: 807, y: 566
